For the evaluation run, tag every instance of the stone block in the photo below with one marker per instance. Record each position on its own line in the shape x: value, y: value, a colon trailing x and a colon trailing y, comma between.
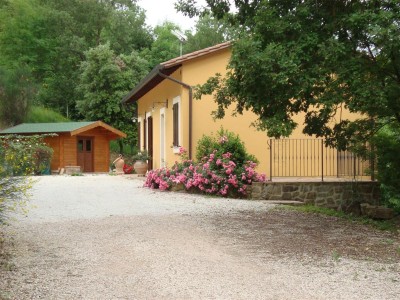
x: 257, y: 189
x: 376, y: 211
x: 69, y: 170
x: 290, y: 188
x: 311, y: 196
x: 286, y: 196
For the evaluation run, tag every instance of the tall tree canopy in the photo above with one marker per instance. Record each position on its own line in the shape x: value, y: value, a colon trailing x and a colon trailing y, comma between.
x: 165, y: 45
x: 311, y: 56
x: 209, y: 31
x: 50, y: 38
x: 105, y: 79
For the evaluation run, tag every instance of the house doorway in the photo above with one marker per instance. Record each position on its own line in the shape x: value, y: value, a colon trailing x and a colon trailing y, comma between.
x: 85, y: 154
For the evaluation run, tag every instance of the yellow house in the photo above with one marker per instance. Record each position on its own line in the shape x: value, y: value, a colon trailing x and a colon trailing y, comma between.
x: 169, y: 117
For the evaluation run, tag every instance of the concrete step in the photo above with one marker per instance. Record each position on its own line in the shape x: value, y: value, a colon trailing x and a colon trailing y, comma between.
x: 286, y: 202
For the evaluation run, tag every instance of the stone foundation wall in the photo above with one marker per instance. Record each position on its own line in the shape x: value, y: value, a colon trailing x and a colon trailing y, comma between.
x: 327, y: 194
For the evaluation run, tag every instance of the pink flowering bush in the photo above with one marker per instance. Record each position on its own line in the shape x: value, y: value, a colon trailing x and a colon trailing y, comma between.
x: 221, y: 143
x: 215, y: 174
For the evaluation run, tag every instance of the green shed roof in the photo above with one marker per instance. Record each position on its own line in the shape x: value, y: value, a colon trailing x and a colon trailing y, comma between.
x: 45, y: 127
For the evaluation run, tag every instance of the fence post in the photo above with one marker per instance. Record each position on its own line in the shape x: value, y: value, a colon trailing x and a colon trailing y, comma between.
x: 270, y: 160
x: 322, y: 160
x: 372, y: 162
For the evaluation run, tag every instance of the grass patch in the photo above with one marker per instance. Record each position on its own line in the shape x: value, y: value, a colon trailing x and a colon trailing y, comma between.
x: 39, y: 114
x: 385, y: 225
x: 76, y: 174
x: 335, y: 255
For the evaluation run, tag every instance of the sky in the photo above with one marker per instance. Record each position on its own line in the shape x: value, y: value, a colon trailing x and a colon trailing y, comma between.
x: 158, y: 11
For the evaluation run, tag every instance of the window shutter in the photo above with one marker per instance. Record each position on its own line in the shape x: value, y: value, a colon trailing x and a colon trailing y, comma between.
x: 138, y: 135
x: 144, y: 135
x: 175, y: 109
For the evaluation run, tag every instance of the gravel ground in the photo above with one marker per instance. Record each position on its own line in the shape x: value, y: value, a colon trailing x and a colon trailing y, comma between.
x: 106, y: 237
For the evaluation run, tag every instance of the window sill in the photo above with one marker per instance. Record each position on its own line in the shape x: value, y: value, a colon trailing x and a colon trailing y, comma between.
x: 176, y: 149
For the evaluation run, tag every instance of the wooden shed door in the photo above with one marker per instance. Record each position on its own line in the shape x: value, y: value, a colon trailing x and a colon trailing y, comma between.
x: 85, y: 154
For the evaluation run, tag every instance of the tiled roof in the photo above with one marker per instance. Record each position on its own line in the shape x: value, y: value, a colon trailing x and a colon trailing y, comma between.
x: 45, y: 127
x: 74, y: 128
x: 192, y: 55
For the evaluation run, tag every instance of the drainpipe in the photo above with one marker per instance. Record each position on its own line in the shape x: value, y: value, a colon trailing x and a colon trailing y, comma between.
x: 185, y: 85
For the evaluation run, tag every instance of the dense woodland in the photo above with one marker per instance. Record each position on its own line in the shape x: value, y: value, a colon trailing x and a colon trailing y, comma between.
x: 76, y: 59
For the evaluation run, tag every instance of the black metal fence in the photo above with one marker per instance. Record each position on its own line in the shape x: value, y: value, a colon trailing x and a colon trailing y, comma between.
x: 311, y: 158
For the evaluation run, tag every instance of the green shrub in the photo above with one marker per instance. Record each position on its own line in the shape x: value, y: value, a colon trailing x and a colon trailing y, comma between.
x: 42, y: 159
x: 224, y: 142
x: 19, y: 156
x: 387, y: 146
x: 128, y: 149
x: 39, y: 114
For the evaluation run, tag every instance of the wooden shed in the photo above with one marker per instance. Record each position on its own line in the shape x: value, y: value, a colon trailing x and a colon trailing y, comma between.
x: 84, y: 144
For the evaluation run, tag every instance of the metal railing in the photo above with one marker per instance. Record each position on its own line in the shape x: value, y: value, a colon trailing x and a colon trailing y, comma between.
x: 311, y: 158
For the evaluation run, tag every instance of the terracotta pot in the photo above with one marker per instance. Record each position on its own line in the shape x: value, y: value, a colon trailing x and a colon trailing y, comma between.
x: 140, y: 167
x: 119, y: 165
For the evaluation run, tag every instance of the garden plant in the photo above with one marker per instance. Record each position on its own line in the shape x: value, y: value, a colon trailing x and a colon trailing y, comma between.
x: 218, y: 172
x: 20, y: 156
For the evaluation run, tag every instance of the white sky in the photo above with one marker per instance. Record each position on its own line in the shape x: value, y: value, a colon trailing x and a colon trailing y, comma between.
x: 158, y: 11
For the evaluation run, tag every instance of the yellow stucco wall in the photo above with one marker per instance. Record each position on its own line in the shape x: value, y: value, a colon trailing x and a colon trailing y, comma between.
x: 165, y: 91
x: 193, y: 72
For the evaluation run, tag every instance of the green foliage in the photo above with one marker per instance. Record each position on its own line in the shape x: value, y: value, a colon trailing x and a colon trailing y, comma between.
x: 165, y: 45
x: 387, y: 144
x: 42, y: 158
x: 51, y: 37
x: 224, y: 142
x: 141, y: 155
x: 311, y: 57
x: 209, y: 31
x: 16, y: 93
x: 38, y: 114
x: 19, y: 156
x: 126, y: 30
x: 128, y: 149
x: 105, y: 79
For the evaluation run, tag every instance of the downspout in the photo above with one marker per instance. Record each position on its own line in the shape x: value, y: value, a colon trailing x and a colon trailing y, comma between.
x: 190, y: 106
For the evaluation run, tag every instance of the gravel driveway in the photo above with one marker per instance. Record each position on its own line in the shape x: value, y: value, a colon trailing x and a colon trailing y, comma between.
x: 106, y: 237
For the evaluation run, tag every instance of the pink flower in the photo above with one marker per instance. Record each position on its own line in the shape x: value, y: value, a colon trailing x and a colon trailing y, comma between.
x: 223, y: 139
x: 182, y: 151
x: 212, y: 156
x: 227, y: 155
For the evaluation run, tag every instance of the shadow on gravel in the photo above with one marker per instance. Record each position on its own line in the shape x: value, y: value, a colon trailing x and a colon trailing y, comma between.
x: 282, y: 233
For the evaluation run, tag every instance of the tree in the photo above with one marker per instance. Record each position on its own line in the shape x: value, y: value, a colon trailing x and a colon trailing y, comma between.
x: 105, y: 79
x: 50, y: 37
x: 208, y: 32
x: 165, y: 45
x: 16, y: 94
x: 312, y: 57
x: 126, y: 30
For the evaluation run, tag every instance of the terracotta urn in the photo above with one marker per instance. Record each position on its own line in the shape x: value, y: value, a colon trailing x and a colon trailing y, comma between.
x: 140, y: 167
x: 119, y: 165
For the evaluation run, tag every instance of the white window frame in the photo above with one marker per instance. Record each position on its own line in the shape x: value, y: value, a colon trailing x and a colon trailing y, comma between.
x: 141, y: 137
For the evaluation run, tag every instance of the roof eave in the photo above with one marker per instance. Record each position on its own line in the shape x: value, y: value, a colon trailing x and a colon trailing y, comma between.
x: 153, y: 73
x: 117, y: 133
